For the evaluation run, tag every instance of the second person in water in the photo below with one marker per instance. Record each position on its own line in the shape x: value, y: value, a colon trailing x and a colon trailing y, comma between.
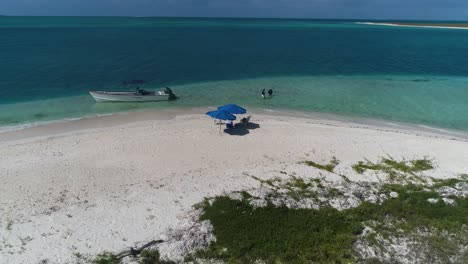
x: 270, y: 93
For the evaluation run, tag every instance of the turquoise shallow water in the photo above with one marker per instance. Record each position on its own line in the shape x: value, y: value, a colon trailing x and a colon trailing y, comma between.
x: 390, y: 73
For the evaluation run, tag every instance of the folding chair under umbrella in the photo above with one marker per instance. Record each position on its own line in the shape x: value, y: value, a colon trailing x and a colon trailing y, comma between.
x: 221, y: 115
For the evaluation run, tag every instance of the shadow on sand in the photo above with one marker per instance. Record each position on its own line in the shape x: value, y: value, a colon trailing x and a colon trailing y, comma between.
x: 241, y: 129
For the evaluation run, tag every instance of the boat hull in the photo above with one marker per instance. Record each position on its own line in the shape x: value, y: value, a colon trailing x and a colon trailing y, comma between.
x: 103, y: 96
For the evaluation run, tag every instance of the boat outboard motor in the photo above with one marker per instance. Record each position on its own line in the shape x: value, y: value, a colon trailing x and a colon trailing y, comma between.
x: 168, y: 91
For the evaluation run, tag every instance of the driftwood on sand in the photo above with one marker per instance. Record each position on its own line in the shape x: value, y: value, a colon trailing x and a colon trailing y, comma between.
x: 136, y: 251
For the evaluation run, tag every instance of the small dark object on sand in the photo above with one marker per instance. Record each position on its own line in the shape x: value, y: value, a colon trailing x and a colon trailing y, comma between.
x: 136, y: 251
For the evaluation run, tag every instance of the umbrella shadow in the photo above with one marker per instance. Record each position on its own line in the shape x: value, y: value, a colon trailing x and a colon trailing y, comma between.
x: 241, y: 129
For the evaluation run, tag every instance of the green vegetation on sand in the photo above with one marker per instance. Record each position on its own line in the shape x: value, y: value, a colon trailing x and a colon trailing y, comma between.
x: 330, y: 166
x: 245, y: 234
x: 418, y: 218
x: 396, y: 170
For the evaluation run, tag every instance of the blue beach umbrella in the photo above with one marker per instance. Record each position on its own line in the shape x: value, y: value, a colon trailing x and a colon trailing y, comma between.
x: 221, y: 114
x: 233, y: 109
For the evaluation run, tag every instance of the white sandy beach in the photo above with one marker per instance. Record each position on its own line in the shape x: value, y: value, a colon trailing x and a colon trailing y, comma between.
x: 106, y: 183
x: 413, y: 26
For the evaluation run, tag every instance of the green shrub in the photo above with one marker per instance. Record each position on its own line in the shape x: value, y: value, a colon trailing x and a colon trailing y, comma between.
x: 273, y: 234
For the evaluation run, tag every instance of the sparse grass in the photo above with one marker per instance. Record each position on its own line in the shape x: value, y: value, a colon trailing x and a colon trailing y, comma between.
x: 330, y: 167
x: 396, y: 169
x: 411, y: 210
x: 201, y: 204
x: 421, y: 165
x: 299, y: 189
x: 333, y: 192
x: 435, y: 246
x: 280, y: 235
x: 316, y: 180
x: 388, y: 164
x: 445, y: 247
x: 80, y: 258
x: 9, y: 225
x: 437, y: 183
x: 149, y: 256
x: 107, y: 258
x: 152, y: 256
x: 270, y: 182
x: 246, y: 195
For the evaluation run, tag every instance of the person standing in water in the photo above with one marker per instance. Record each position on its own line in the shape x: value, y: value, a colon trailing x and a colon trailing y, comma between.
x: 263, y: 93
x: 270, y: 92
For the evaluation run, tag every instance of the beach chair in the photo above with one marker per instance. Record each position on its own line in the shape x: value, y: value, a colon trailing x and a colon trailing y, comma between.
x: 245, y: 120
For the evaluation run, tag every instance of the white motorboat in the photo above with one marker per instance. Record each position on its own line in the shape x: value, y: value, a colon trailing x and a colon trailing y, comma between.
x: 139, y: 95
x: 145, y: 96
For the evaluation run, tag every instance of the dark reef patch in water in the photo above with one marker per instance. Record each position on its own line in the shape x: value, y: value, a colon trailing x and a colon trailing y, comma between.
x: 40, y: 115
x: 421, y: 80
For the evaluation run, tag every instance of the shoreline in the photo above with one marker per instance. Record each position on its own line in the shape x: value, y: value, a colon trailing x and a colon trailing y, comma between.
x: 81, y: 125
x: 442, y: 26
x: 319, y: 94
